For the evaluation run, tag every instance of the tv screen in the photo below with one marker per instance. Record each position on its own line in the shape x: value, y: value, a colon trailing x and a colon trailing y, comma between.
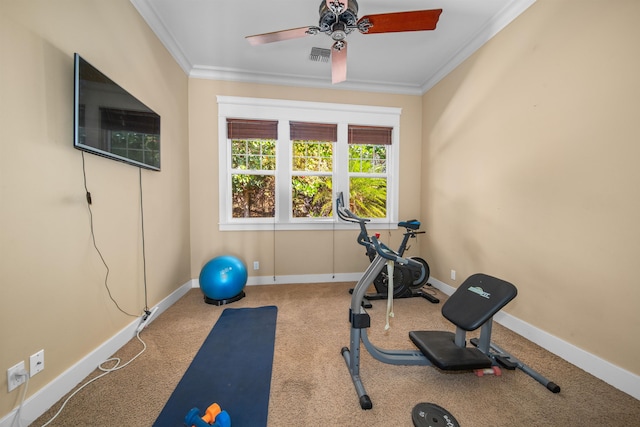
x: 110, y: 122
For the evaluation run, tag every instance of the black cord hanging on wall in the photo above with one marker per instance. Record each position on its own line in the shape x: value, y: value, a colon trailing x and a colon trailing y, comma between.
x: 93, y: 239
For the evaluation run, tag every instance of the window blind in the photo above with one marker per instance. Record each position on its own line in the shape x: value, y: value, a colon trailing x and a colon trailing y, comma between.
x: 373, y: 135
x: 252, y: 129
x: 305, y: 131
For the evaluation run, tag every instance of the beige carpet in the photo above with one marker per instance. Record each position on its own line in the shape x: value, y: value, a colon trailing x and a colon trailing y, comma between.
x: 310, y: 385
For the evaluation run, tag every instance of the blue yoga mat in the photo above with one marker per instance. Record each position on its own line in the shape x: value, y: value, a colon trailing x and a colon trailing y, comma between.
x: 232, y: 369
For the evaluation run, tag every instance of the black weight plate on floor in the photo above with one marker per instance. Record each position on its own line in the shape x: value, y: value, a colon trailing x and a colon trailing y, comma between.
x: 431, y: 415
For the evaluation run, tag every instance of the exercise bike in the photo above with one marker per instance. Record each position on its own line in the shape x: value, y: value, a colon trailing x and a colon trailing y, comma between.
x: 471, y: 307
x: 407, y: 282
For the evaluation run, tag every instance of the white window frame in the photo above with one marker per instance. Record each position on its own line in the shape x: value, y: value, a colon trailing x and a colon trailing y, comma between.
x: 284, y: 111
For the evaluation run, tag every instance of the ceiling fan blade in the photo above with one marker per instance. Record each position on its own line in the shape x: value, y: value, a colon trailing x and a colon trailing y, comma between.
x: 277, y: 36
x: 419, y: 20
x: 339, y: 62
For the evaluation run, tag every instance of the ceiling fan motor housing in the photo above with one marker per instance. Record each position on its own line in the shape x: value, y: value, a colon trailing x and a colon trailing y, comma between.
x: 342, y: 24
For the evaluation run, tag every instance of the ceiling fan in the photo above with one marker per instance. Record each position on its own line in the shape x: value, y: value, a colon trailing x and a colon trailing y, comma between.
x: 340, y: 17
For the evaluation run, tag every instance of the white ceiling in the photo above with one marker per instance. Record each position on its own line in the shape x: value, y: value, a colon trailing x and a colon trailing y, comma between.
x: 207, y: 39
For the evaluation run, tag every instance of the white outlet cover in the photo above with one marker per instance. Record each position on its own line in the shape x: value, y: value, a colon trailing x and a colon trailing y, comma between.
x: 36, y: 362
x: 12, y: 381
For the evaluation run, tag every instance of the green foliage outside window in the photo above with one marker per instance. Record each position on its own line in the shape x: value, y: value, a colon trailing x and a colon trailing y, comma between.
x: 368, y: 195
x: 253, y: 191
x: 311, y: 193
x: 312, y: 196
x: 253, y: 154
x: 367, y: 158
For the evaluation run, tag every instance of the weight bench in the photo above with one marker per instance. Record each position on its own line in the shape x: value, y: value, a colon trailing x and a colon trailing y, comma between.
x: 473, y: 306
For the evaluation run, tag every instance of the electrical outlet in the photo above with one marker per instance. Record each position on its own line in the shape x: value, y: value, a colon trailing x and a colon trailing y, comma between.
x: 453, y: 275
x: 36, y: 362
x: 146, y: 319
x: 13, y: 379
x: 256, y: 265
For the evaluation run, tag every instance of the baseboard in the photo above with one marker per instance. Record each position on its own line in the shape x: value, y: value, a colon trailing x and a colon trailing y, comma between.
x: 613, y: 375
x: 47, y: 396
x: 302, y: 278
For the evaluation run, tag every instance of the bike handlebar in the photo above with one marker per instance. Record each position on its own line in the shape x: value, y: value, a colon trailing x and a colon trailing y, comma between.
x: 364, y: 239
x: 346, y: 215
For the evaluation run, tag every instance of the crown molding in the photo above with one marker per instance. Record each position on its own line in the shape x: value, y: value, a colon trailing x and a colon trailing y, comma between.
x: 237, y: 75
x: 160, y: 29
x: 509, y: 13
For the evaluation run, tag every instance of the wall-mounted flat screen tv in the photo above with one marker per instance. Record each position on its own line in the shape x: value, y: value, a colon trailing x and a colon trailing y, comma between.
x: 110, y: 122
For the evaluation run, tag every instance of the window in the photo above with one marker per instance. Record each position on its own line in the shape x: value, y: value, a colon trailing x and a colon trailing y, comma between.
x: 312, y: 169
x: 368, y: 170
x: 282, y: 163
x: 253, y: 167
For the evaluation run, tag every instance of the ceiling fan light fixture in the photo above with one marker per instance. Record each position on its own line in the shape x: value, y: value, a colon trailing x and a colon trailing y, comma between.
x: 338, y: 35
x: 339, y: 31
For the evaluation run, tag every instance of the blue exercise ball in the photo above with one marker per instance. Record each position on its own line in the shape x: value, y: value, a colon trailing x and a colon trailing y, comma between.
x: 222, y: 280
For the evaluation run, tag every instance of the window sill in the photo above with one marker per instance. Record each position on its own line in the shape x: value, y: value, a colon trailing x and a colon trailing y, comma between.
x: 302, y: 226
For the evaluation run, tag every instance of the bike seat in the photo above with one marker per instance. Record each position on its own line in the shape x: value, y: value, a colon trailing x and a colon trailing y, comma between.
x: 412, y: 224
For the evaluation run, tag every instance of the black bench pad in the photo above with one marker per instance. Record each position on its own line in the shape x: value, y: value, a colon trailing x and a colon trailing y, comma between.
x: 440, y: 348
x: 477, y: 300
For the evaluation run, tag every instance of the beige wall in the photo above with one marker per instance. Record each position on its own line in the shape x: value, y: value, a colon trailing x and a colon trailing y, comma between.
x: 296, y: 253
x: 52, y: 291
x: 531, y: 155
